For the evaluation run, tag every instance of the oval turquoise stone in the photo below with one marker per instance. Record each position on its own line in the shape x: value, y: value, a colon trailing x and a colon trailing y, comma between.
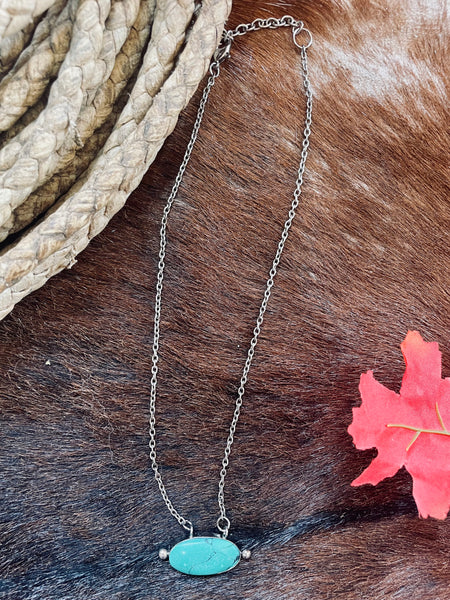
x: 204, y: 556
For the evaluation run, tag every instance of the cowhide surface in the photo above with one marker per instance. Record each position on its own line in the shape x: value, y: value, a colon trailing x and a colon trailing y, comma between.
x: 367, y: 259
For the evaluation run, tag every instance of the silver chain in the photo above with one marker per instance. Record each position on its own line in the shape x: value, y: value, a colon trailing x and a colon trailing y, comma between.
x: 223, y: 523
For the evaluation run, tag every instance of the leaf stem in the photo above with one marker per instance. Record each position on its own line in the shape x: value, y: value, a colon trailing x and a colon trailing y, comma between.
x: 439, y: 417
x: 419, y: 430
x: 416, y: 435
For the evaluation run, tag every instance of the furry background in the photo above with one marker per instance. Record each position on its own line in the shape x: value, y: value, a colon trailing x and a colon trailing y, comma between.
x: 367, y: 259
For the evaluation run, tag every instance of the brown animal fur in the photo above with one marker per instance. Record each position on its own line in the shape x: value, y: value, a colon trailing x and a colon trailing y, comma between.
x: 367, y: 260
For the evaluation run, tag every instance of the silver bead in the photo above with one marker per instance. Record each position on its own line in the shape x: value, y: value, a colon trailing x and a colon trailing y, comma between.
x: 246, y: 554
x: 163, y: 554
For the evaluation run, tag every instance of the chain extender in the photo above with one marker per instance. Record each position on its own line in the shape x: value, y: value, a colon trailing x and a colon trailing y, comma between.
x: 222, y: 53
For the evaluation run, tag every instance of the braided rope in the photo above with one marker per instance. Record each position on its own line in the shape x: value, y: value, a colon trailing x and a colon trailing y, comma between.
x: 108, y: 105
x: 66, y: 121
x: 29, y: 77
x: 169, y: 74
x: 12, y: 46
x: 28, y: 117
x: 45, y: 196
x: 15, y: 15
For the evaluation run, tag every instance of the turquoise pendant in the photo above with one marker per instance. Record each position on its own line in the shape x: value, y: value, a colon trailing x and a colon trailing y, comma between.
x: 204, y: 556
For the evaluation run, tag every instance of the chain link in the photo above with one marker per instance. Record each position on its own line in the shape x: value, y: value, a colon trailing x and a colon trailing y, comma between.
x: 223, y: 523
x: 272, y: 23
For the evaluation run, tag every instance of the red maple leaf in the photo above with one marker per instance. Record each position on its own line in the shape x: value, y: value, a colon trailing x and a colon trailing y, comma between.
x: 410, y: 428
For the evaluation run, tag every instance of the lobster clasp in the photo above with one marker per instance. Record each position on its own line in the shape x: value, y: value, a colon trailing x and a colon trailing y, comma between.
x: 223, y: 49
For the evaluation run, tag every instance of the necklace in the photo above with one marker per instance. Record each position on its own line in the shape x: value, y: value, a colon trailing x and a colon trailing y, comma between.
x: 216, y: 554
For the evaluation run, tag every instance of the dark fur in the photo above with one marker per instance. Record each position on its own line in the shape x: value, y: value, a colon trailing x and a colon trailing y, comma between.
x: 367, y: 260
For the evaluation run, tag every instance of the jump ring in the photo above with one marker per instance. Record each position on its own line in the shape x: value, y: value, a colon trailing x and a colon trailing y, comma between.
x: 223, y: 525
x: 296, y: 32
